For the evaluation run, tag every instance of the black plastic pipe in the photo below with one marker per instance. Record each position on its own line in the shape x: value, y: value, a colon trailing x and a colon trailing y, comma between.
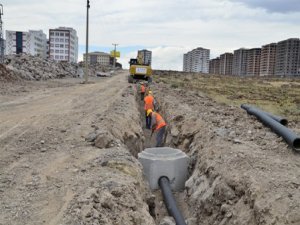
x: 169, y: 200
x: 290, y: 137
x: 279, y: 119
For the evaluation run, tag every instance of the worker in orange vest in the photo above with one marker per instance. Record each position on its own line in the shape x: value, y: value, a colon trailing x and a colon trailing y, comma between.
x: 149, y: 104
x: 158, y: 125
x: 143, y: 90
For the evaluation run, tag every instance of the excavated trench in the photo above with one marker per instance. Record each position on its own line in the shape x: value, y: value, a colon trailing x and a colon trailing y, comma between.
x: 231, y: 180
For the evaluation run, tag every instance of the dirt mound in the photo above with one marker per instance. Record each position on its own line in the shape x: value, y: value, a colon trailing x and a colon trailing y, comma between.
x: 7, y: 75
x: 36, y: 68
x: 241, y: 172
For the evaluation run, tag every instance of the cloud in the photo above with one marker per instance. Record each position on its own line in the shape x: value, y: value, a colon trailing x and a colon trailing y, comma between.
x: 273, y: 5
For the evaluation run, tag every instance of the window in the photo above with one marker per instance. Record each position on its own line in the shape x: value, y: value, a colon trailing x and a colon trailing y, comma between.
x: 66, y: 40
x: 56, y: 57
x: 56, y: 51
x: 56, y: 45
x: 61, y: 40
x: 51, y: 50
x: 66, y: 57
x: 61, y: 51
x: 51, y: 45
x: 61, y: 57
x: 57, y: 39
x: 61, y: 46
x: 57, y: 34
x: 51, y: 33
x: 62, y: 34
x: 66, y: 51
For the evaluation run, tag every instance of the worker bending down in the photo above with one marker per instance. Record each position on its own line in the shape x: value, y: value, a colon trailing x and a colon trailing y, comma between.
x: 149, y: 104
x: 142, y: 90
x: 158, y: 125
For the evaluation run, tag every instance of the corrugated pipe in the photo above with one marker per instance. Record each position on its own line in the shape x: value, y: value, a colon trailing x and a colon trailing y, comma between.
x: 170, y: 202
x: 279, y: 119
x: 290, y: 137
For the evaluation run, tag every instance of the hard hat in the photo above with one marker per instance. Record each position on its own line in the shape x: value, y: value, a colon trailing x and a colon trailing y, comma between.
x: 150, y: 92
x: 149, y: 111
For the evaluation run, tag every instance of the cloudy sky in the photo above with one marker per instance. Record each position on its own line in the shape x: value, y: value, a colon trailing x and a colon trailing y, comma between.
x: 168, y: 28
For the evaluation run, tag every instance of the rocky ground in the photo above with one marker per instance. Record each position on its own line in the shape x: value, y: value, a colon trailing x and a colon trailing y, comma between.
x: 68, y: 156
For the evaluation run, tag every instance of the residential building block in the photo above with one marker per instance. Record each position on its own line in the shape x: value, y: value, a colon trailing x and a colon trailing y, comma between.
x: 101, y: 58
x: 267, y: 60
x: 239, y: 63
x: 253, y: 62
x: 214, y: 66
x: 63, y: 44
x: 197, y: 60
x: 33, y: 42
x: 226, y: 61
x: 288, y: 58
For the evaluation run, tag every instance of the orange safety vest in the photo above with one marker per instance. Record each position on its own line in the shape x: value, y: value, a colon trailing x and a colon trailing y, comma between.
x: 149, y: 102
x: 143, y: 89
x: 160, y: 122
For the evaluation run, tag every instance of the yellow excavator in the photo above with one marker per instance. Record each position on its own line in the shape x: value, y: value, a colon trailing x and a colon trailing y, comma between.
x: 139, y: 70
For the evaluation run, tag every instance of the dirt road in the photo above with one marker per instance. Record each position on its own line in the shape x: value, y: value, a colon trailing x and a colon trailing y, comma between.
x: 43, y: 147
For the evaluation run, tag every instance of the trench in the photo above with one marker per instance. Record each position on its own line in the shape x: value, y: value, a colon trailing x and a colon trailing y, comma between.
x: 157, y: 208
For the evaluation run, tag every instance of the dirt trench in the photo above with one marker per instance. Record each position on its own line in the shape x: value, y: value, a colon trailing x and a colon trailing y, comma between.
x: 240, y: 171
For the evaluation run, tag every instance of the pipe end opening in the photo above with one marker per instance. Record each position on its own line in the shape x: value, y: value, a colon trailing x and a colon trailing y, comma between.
x: 284, y: 122
x: 296, y: 144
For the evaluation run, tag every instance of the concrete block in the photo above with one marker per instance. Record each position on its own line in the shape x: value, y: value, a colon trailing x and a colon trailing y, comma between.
x: 165, y: 161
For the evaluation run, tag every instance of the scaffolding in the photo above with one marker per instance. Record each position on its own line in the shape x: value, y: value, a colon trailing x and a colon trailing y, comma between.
x: 2, y: 41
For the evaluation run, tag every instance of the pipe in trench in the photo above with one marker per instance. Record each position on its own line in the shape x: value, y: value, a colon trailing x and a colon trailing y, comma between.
x: 170, y: 202
x: 279, y: 119
x: 290, y: 137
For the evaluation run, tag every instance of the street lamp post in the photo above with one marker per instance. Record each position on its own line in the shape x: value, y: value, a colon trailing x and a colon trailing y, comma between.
x: 87, y: 42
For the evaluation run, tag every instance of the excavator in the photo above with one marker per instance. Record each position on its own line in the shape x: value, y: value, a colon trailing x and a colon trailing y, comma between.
x: 139, y: 70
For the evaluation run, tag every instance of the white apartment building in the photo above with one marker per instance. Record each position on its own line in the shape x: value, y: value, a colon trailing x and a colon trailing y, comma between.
x: 63, y: 44
x: 101, y: 58
x: 33, y: 42
x: 196, y: 60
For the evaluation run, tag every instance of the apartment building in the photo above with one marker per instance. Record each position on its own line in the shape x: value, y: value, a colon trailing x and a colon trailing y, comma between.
x: 100, y: 58
x: 239, y: 63
x: 197, y: 60
x: 226, y: 61
x: 267, y: 60
x: 146, y: 56
x: 33, y: 42
x: 253, y: 62
x: 63, y: 44
x: 214, y: 66
x: 288, y: 58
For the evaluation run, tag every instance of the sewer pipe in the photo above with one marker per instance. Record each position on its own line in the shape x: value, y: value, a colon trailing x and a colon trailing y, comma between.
x: 279, y: 119
x: 170, y: 202
x: 290, y: 137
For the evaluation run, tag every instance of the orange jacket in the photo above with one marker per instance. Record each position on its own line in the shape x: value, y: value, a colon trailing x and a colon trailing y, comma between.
x: 149, y: 102
x: 159, y: 121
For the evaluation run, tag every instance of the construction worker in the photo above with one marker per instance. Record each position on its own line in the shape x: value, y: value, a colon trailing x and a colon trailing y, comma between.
x: 143, y: 90
x: 158, y: 125
x: 149, y: 104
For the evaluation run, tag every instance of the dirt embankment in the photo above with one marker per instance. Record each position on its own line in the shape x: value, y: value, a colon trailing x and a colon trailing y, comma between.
x: 241, y: 172
x: 50, y: 170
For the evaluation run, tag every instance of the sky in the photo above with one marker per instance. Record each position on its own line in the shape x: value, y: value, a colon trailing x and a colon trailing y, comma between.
x: 169, y: 28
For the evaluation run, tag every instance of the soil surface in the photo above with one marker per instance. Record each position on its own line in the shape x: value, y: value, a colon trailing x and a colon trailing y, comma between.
x: 68, y: 156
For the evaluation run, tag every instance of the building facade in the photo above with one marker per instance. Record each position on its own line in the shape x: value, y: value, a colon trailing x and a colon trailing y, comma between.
x: 239, y: 64
x: 226, y: 61
x: 288, y: 58
x: 197, y: 60
x: 267, y: 60
x: 253, y: 62
x: 63, y: 44
x: 33, y: 42
x: 214, y: 66
x: 100, y: 58
x: 145, y: 56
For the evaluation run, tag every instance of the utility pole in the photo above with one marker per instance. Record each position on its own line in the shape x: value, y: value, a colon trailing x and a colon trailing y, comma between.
x: 1, y: 36
x: 87, y: 42
x: 114, y: 65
